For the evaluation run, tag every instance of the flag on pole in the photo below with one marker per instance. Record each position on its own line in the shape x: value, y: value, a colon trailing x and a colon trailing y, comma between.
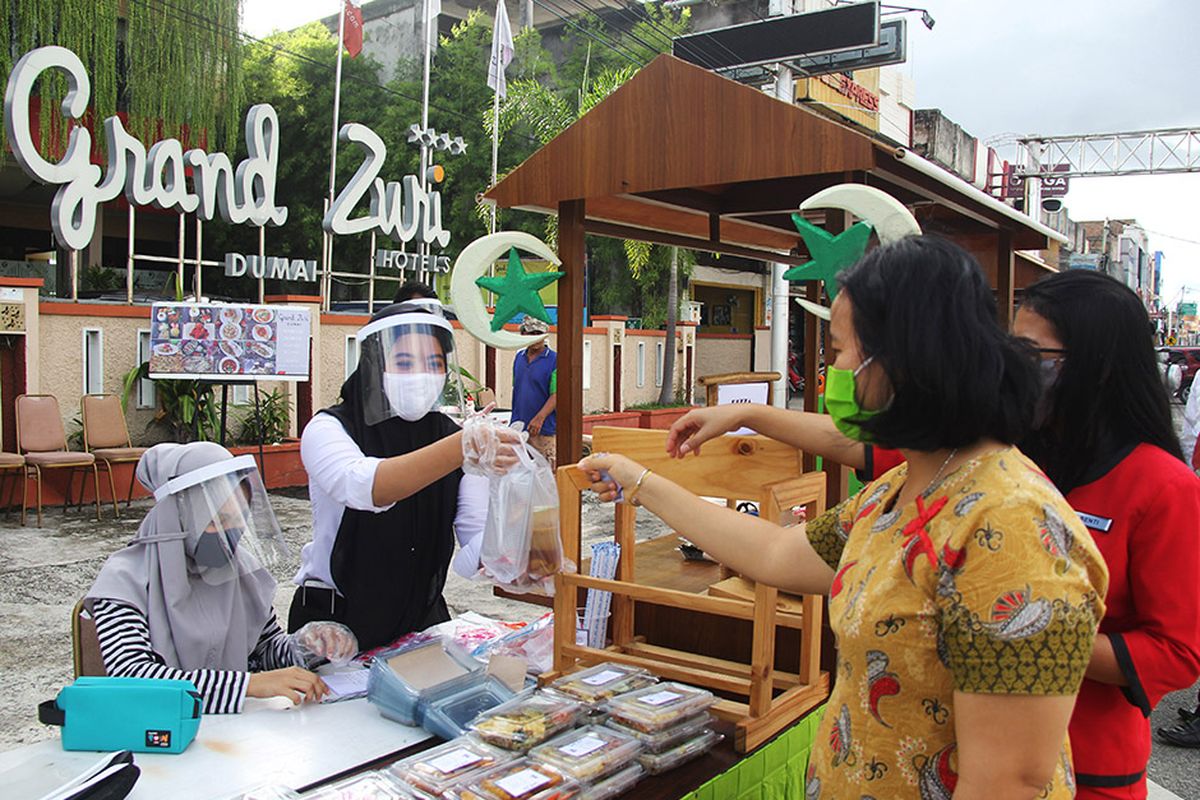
x: 502, y: 51
x: 352, y: 38
x: 435, y: 9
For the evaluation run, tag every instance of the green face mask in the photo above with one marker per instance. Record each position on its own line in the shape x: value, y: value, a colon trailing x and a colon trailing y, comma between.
x: 841, y: 401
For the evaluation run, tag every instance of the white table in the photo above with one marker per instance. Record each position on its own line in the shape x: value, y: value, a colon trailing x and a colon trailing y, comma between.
x: 269, y: 742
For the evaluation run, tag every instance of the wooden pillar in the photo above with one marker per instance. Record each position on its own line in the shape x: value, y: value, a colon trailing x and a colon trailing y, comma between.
x: 572, y: 252
x: 1004, y: 278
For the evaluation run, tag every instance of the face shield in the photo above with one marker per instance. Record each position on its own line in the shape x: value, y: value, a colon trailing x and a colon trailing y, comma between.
x: 231, y: 529
x: 408, y: 367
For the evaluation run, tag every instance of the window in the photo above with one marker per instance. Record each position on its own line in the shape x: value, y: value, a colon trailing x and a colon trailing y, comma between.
x: 147, y: 396
x: 351, y: 355
x: 659, y: 362
x: 240, y: 396
x: 93, y: 361
x: 641, y: 364
x: 587, y: 365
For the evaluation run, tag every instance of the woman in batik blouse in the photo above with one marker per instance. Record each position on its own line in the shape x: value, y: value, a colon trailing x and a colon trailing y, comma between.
x: 964, y: 592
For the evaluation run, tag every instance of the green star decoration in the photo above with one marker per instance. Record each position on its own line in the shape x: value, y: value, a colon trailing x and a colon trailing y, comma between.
x: 518, y: 291
x: 831, y: 253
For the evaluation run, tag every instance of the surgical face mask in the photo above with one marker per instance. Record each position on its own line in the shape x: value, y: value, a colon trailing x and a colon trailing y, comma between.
x: 413, y: 394
x: 841, y: 401
x: 1048, y: 372
x: 212, y: 553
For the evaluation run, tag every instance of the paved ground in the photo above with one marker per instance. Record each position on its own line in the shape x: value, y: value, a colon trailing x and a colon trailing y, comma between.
x: 44, y: 571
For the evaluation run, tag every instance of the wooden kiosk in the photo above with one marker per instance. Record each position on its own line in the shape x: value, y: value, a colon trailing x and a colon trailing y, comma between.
x: 681, y: 156
x: 726, y: 469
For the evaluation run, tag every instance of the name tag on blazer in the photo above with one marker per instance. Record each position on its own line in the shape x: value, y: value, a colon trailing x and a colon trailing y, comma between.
x: 1102, y: 524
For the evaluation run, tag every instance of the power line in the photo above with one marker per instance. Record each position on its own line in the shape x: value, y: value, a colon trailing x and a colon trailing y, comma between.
x: 691, y: 48
x: 560, y: 13
x: 653, y: 48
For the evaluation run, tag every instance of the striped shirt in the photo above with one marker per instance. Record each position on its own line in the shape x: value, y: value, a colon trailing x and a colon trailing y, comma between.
x: 124, y: 636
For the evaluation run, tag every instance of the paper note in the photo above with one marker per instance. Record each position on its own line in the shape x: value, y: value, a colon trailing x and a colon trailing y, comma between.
x: 344, y: 685
x: 659, y: 698
x: 523, y: 782
x: 582, y: 746
x: 602, y: 677
x: 448, y: 763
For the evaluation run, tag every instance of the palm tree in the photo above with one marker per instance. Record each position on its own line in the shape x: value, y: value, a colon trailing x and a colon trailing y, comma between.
x: 548, y: 114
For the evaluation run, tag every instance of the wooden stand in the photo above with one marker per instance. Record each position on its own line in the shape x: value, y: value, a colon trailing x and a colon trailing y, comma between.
x: 731, y: 468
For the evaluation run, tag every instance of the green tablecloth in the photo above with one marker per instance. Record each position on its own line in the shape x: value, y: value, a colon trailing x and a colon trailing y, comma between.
x: 774, y: 771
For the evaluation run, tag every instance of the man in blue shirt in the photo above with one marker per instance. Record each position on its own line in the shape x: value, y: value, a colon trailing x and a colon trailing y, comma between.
x: 535, y: 383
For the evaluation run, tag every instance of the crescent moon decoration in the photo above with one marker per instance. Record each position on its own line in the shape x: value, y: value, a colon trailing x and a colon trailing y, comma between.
x: 877, y: 209
x: 889, y: 217
x: 471, y: 265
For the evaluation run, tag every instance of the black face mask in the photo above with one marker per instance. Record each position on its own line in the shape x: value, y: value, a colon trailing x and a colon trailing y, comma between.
x: 211, y: 553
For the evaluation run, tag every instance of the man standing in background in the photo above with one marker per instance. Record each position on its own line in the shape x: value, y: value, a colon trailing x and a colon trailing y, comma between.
x: 535, y: 381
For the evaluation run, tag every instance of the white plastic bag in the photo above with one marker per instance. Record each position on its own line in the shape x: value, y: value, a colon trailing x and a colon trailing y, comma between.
x: 521, y: 548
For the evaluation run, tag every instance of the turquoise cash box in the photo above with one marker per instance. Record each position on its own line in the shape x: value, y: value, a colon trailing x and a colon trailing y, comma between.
x: 145, y: 715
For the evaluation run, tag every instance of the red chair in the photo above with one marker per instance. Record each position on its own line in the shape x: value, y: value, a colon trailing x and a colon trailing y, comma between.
x: 43, y: 441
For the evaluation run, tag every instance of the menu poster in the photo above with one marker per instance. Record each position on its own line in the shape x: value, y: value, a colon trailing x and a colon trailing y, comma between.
x: 217, y: 341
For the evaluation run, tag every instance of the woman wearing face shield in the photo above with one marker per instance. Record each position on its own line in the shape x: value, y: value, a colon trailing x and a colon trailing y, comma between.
x: 190, y: 597
x: 387, y: 489
x: 964, y: 592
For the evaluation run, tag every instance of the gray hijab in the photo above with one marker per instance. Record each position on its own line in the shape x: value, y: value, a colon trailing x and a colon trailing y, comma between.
x: 193, y: 624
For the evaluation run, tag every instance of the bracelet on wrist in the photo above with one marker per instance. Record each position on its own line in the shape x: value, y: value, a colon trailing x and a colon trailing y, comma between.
x: 637, y: 486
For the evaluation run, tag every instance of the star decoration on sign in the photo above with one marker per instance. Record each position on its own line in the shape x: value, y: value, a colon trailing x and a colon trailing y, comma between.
x: 831, y: 253
x: 517, y: 291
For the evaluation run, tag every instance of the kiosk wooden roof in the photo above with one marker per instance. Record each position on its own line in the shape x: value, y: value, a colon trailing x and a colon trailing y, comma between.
x: 682, y: 156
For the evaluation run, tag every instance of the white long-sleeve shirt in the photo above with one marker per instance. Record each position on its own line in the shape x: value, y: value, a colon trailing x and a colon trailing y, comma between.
x: 340, y: 476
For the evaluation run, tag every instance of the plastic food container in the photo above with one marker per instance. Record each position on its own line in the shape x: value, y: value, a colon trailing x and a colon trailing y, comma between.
x: 518, y: 780
x: 447, y: 713
x: 589, y: 753
x: 434, y: 771
x: 659, y: 706
x: 680, y: 754
x: 371, y: 786
x: 269, y: 792
x: 401, y: 681
x: 602, y: 681
x: 526, y: 720
x: 616, y: 784
x: 668, y: 737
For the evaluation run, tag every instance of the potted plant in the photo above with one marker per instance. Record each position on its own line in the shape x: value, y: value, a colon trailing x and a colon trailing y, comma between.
x: 659, y: 416
x: 612, y: 419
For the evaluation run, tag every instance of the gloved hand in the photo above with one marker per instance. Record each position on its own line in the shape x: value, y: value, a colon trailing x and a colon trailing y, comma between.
x: 322, y: 641
x: 488, y: 445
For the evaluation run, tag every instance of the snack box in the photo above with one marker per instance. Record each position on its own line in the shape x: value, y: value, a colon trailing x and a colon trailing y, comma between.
x: 448, y: 712
x: 602, y: 681
x: 267, y: 792
x: 667, y: 738
x: 616, y: 784
x: 369, y: 786
x: 402, y: 680
x: 434, y: 771
x: 659, y: 706
x: 526, y: 720
x: 518, y: 780
x: 680, y: 754
x: 589, y: 753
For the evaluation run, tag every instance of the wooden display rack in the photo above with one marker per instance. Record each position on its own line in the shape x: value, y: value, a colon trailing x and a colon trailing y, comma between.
x: 732, y: 468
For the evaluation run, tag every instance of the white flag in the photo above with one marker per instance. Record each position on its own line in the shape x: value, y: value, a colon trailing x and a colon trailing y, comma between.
x: 435, y: 9
x: 502, y: 50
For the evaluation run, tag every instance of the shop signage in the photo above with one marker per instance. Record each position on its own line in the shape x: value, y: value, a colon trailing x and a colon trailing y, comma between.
x: 400, y: 210
x: 296, y: 269
x: 846, y: 86
x: 147, y: 177
x: 397, y: 259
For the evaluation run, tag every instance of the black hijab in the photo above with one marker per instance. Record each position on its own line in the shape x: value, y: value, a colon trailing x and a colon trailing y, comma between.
x: 391, y: 566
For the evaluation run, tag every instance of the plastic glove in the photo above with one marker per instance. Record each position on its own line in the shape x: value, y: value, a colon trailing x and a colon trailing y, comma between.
x: 324, y: 641
x: 488, y: 445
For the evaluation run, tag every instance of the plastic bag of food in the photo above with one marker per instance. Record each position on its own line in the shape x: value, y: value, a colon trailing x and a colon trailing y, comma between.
x: 521, y: 548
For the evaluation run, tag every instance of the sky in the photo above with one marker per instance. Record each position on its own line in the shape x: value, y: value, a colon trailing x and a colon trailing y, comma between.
x: 1037, y: 66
